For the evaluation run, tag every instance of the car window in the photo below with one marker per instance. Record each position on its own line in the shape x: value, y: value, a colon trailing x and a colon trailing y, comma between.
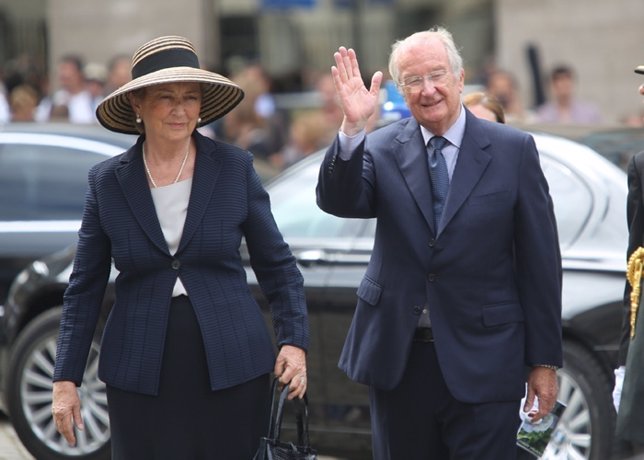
x: 296, y: 212
x: 297, y: 215
x: 571, y: 197
x: 43, y: 182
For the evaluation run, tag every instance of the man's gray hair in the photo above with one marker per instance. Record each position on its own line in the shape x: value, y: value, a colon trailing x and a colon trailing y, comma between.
x: 453, y: 55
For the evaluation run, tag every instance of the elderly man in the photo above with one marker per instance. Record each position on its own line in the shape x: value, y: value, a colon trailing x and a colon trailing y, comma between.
x: 460, y: 305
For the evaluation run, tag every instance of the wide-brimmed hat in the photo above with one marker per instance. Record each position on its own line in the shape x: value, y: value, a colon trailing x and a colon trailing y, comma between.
x: 639, y: 69
x: 169, y: 59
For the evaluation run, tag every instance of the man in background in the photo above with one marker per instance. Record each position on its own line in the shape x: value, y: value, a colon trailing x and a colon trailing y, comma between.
x: 564, y: 107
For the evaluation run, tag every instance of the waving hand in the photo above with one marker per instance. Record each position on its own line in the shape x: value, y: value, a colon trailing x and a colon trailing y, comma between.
x: 358, y: 103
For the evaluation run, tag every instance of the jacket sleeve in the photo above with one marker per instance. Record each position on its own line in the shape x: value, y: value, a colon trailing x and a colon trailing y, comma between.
x: 84, y: 294
x: 275, y: 268
x: 538, y: 262
x: 346, y: 187
x: 635, y: 221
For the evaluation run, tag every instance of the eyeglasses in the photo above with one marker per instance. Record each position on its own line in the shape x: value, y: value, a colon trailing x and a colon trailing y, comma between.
x: 415, y: 83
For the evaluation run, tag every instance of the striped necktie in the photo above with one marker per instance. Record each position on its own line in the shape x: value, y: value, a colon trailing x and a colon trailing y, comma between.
x: 439, y: 175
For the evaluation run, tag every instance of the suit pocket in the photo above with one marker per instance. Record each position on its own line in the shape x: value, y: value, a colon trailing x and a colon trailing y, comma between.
x: 489, y: 198
x: 498, y: 314
x: 369, y: 291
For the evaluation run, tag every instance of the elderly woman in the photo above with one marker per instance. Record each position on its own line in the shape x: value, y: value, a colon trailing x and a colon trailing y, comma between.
x: 185, y: 353
x: 484, y: 106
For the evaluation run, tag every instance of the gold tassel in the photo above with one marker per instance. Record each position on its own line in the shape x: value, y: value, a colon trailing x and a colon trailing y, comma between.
x: 634, y: 276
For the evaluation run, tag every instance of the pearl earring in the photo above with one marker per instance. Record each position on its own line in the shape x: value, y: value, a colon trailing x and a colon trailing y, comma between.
x: 138, y: 119
x: 199, y: 120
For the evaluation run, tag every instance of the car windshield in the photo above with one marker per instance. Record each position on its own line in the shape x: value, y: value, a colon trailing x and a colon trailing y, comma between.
x: 295, y: 209
x: 579, y: 206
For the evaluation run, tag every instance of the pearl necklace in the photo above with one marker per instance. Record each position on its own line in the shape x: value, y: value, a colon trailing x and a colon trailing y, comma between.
x: 176, y: 179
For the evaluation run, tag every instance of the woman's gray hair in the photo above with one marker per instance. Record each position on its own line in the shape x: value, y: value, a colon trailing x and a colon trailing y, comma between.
x: 453, y: 55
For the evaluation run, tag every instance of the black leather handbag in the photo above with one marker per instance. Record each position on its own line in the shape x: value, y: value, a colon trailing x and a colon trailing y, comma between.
x: 271, y: 447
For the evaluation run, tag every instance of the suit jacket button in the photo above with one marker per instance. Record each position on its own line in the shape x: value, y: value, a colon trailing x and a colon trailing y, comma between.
x: 418, y: 310
x: 431, y: 277
x: 176, y: 264
x: 432, y: 243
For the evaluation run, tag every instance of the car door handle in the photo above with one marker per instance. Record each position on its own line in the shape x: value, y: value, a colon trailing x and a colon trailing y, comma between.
x: 312, y: 257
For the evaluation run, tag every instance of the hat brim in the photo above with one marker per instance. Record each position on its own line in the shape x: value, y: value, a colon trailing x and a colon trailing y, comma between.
x: 639, y: 69
x: 220, y: 96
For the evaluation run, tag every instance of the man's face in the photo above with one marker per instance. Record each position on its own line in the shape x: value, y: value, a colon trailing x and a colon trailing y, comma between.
x: 435, y: 102
x: 563, y: 88
x: 70, y: 77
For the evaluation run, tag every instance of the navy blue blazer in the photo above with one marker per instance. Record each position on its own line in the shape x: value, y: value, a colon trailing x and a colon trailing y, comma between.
x: 490, y: 276
x: 227, y: 203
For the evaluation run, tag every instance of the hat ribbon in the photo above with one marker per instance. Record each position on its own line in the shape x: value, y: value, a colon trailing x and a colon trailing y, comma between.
x: 176, y: 57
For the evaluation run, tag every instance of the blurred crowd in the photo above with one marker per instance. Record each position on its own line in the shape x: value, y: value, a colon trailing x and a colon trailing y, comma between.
x: 277, y: 136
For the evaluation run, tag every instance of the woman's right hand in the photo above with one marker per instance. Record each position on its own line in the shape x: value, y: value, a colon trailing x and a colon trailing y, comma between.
x: 65, y: 408
x: 358, y: 103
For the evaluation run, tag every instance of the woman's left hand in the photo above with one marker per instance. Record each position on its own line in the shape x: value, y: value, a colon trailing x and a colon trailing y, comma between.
x: 290, y: 368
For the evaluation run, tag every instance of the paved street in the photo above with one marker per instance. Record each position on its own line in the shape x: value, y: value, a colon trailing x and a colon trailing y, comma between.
x: 12, y: 449
x: 10, y: 446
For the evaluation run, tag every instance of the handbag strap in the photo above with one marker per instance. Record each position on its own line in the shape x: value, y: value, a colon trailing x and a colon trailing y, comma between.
x: 302, y: 416
x: 303, y: 423
x: 271, y: 421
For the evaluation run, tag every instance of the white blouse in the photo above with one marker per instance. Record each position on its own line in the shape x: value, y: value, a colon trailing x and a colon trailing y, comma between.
x: 171, y: 204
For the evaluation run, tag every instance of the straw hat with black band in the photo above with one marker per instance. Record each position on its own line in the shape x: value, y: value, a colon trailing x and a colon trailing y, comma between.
x: 169, y: 59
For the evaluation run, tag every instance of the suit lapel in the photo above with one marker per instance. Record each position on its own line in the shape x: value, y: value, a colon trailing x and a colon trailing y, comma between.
x: 207, y: 168
x: 131, y: 177
x: 411, y: 156
x: 470, y: 166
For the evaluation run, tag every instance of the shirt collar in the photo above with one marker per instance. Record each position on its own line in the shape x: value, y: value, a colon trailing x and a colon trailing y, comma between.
x: 454, y: 134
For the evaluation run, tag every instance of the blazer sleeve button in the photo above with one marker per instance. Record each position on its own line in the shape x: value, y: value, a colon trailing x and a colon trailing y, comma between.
x: 176, y: 264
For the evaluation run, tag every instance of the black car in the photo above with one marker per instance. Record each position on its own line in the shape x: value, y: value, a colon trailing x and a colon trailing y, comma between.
x: 43, y: 178
x: 589, y: 194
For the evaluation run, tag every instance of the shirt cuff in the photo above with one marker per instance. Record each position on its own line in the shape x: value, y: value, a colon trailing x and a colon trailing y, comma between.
x: 348, y: 144
x: 547, y: 366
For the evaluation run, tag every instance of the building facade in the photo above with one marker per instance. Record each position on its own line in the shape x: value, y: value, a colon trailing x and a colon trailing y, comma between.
x: 601, y: 40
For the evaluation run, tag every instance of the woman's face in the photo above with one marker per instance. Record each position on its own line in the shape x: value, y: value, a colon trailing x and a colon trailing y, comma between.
x: 481, y: 111
x: 169, y: 111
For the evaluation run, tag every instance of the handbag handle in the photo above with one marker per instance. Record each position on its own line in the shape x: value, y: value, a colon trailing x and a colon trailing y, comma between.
x: 302, y: 416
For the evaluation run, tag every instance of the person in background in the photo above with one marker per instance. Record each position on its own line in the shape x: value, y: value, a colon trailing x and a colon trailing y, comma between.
x: 628, y: 392
x: 72, y: 100
x: 460, y: 304
x: 248, y: 126
x: 185, y: 353
x: 563, y: 107
x: 95, y: 80
x: 307, y: 134
x: 23, y: 102
x: 329, y: 105
x: 311, y: 130
x: 118, y: 73
x: 484, y: 106
x: 503, y: 86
